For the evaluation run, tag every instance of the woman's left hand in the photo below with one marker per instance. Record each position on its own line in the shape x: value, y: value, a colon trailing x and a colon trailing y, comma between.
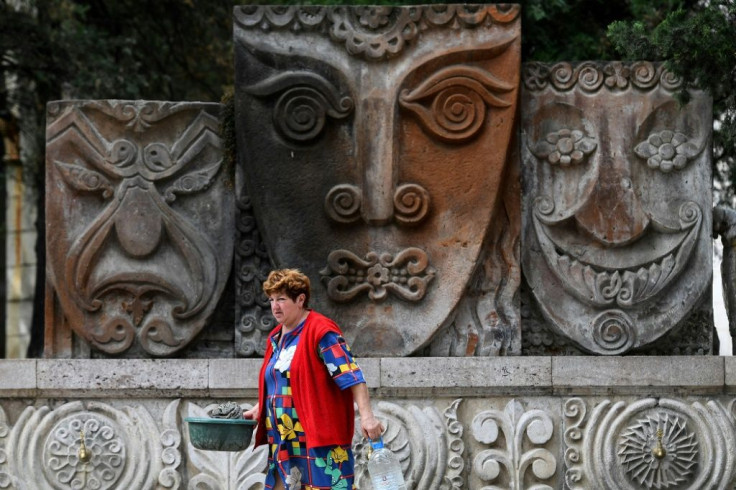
x: 371, y: 427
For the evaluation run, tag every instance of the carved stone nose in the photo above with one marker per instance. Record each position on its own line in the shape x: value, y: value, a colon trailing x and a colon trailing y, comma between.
x: 613, y: 213
x: 377, y: 157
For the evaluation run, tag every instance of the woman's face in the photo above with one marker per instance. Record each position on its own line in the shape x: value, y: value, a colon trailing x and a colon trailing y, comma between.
x: 286, y: 310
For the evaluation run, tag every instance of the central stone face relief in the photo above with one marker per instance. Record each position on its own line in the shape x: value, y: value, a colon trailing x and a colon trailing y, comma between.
x: 372, y: 144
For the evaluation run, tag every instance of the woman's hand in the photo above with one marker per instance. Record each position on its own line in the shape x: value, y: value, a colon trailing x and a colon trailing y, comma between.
x: 371, y: 427
x: 252, y: 414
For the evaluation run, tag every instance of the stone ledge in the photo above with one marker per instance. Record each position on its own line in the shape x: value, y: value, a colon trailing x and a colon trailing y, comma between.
x: 397, y: 377
x: 461, y: 376
x: 139, y: 377
x: 18, y: 377
x: 638, y: 375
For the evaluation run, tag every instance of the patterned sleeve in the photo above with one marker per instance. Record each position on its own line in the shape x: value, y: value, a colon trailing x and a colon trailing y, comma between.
x: 336, y: 355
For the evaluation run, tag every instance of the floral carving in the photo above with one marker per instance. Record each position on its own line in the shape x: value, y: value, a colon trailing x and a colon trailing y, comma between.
x: 565, y: 147
x: 374, y: 32
x: 653, y: 443
x: 406, y: 275
x: 667, y: 150
x: 100, y: 438
x: 514, y: 422
x: 677, y: 459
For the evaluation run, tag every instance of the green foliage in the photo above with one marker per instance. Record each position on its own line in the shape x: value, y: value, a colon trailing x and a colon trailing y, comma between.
x: 699, y: 45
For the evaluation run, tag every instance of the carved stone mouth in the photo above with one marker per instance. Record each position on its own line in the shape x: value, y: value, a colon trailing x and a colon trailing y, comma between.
x: 595, y: 274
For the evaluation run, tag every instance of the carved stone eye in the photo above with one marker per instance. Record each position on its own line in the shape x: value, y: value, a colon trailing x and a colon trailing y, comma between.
x: 666, y: 150
x: 157, y: 157
x: 565, y: 147
x: 122, y: 153
x: 457, y: 102
x: 305, y: 102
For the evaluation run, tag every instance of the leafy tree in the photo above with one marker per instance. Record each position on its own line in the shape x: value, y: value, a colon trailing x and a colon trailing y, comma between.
x: 699, y: 45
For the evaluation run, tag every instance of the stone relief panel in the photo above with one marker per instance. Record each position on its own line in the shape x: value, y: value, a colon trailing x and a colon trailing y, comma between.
x: 429, y: 445
x: 616, y: 202
x: 649, y: 443
x: 214, y: 470
x: 140, y: 215
x: 43, y: 450
x: 518, y: 458
x: 373, y: 143
x: 252, y: 310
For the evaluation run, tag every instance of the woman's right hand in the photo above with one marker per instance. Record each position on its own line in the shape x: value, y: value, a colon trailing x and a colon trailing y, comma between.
x: 251, y: 414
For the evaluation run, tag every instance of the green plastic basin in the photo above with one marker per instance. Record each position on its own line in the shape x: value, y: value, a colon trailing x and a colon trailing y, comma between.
x: 220, y: 434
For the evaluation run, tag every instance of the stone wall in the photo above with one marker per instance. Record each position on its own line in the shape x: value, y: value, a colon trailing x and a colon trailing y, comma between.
x: 456, y: 423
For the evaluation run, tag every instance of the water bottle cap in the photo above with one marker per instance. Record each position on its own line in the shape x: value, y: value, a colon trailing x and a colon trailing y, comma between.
x: 377, y: 443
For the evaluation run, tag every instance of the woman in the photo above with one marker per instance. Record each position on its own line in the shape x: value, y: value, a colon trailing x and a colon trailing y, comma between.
x: 306, y: 389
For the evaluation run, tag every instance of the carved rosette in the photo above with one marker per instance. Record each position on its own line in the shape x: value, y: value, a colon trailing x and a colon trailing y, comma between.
x: 46, y: 446
x: 140, y: 212
x: 525, y: 433
x: 428, y: 445
x: 650, y: 444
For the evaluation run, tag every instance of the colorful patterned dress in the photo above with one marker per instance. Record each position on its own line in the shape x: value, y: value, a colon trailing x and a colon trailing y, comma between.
x: 330, y: 467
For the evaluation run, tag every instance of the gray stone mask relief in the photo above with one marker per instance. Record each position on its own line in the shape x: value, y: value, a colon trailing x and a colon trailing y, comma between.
x: 617, y: 201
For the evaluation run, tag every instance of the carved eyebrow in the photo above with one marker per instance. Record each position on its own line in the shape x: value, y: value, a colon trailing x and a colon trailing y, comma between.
x: 285, y: 80
x: 474, y: 78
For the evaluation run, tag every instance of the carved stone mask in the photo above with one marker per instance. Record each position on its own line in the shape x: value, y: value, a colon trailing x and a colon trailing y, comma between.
x: 617, y: 199
x: 372, y: 143
x: 140, y: 218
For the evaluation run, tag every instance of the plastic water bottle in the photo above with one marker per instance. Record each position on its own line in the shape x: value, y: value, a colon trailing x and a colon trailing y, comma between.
x: 384, y: 468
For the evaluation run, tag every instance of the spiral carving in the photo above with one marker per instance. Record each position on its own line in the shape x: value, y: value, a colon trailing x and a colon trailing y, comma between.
x: 411, y: 203
x: 613, y: 331
x: 689, y: 213
x: 300, y: 114
x: 643, y: 74
x: 669, y: 80
x: 459, y: 111
x: 562, y: 75
x: 305, y: 101
x: 342, y: 203
x: 544, y: 205
x: 590, y: 77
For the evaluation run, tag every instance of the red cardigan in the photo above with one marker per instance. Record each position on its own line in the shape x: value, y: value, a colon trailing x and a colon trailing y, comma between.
x: 325, y: 411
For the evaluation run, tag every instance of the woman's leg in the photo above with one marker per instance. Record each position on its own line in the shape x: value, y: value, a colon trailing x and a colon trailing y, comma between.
x: 279, y: 485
